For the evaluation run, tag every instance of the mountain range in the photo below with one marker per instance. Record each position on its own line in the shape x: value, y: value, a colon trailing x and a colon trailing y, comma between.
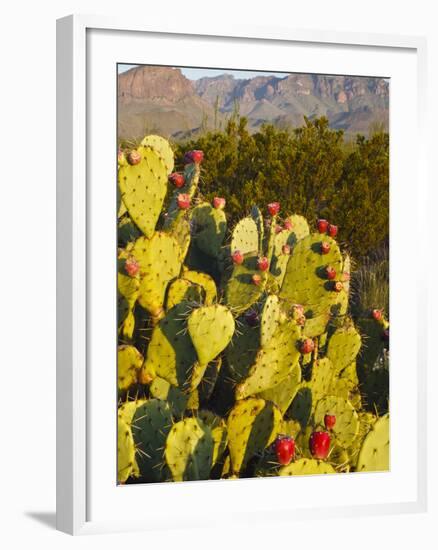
x: 154, y: 99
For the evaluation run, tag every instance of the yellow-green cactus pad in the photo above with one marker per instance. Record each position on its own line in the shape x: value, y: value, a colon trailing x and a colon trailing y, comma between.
x: 211, y: 329
x: 209, y: 226
x: 161, y: 389
x: 241, y: 292
x: 205, y: 281
x: 127, y: 409
x: 129, y: 362
x: 274, y: 361
x: 189, y: 450
x: 346, y: 427
x: 181, y: 290
x: 343, y: 347
x: 162, y: 148
x: 271, y: 316
x: 374, y: 454
x: 245, y: 236
x: 253, y: 424
x: 283, y: 393
x: 218, y: 429
x: 290, y: 237
x: 143, y: 188
x: 307, y: 467
x: 125, y: 452
x: 159, y: 263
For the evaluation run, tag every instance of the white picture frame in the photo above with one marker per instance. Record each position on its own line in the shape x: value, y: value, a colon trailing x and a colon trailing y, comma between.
x: 78, y: 443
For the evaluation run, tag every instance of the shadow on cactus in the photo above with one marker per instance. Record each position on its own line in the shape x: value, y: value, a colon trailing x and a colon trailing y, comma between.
x: 238, y: 353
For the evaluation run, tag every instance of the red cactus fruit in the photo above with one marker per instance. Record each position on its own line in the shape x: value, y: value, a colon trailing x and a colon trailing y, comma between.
x: 288, y: 225
x: 330, y: 273
x: 377, y: 314
x: 131, y: 266
x: 332, y: 230
x: 134, y: 157
x: 284, y: 449
x: 196, y: 156
x: 178, y: 180
x: 237, y: 257
x: 319, y: 445
x: 278, y: 229
x: 219, y: 203
x: 325, y: 247
x: 256, y: 279
x: 183, y: 200
x: 322, y: 225
x: 329, y: 421
x: 273, y: 208
x: 285, y: 249
x: 262, y: 263
x: 307, y: 346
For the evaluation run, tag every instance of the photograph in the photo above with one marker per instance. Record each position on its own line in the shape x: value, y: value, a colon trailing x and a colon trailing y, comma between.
x: 252, y: 274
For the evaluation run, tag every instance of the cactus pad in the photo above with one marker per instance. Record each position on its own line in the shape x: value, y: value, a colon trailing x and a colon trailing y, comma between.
x: 271, y: 315
x: 283, y: 393
x: 209, y: 228
x: 126, y: 464
x: 161, y: 389
x: 245, y: 236
x: 151, y: 423
x: 159, y: 263
x: 161, y: 147
x: 306, y: 467
x: 129, y: 362
x: 143, y: 188
x: 189, y: 450
x: 205, y: 281
x: 252, y: 425
x: 211, y: 329
x: 374, y: 454
x: 182, y: 290
x: 343, y: 347
x: 241, y: 292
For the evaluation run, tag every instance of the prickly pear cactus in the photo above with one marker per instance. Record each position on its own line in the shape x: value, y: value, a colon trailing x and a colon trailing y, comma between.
x: 232, y: 342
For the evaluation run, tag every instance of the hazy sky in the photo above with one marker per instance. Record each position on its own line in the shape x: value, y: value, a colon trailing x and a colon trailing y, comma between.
x: 194, y: 74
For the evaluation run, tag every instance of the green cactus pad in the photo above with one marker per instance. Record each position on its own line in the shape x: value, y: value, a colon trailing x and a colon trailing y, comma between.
x: 218, y: 429
x: 209, y: 228
x: 304, y: 281
x: 283, y: 393
x: 205, y: 281
x: 343, y: 347
x: 257, y: 216
x: 274, y: 361
x: 181, y: 290
x: 245, y: 237
x: 242, y: 351
x: 189, y: 450
x: 129, y: 362
x: 374, y: 454
x: 316, y: 326
x: 171, y: 354
x: 306, y: 467
x: 151, y: 423
x: 162, y: 148
x: 346, y: 273
x: 180, y: 230
x: 252, y: 425
x: 373, y: 344
x: 126, y: 464
x: 271, y: 315
x: 300, y: 409
x: 211, y: 329
x: 321, y: 378
x: 241, y: 293
x: 209, y: 379
x: 300, y: 227
x: 346, y: 428
x: 127, y: 410
x: 175, y: 214
x: 161, y: 389
x: 159, y: 263
x: 127, y: 294
x: 143, y: 188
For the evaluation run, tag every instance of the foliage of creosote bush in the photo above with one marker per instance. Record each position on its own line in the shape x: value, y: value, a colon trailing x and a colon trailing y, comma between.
x: 212, y: 360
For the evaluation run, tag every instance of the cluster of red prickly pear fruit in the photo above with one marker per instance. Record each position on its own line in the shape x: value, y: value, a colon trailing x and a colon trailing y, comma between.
x: 219, y: 203
x: 284, y: 447
x: 195, y: 156
x: 273, y: 208
x: 325, y: 227
x: 329, y: 421
x: 262, y: 263
x: 325, y: 247
x: 134, y: 157
x: 307, y: 346
x: 131, y: 266
x: 237, y: 257
x: 177, y: 179
x: 183, y: 201
x: 319, y: 444
x: 377, y: 314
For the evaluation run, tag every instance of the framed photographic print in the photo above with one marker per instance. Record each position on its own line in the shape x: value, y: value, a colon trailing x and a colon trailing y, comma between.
x: 233, y: 217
